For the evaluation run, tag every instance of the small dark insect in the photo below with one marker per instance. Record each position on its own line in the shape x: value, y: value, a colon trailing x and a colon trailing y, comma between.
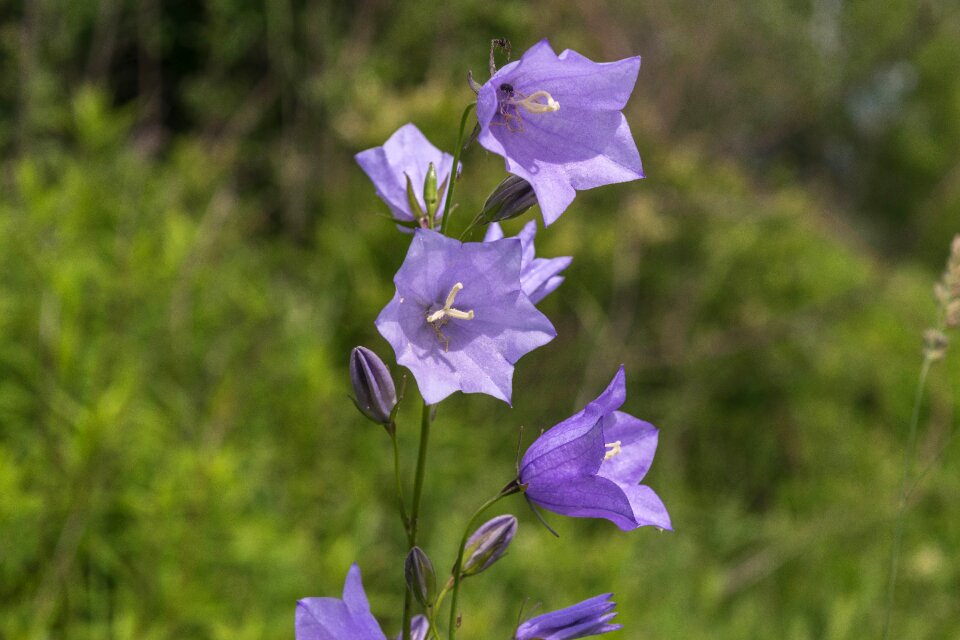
x: 506, y: 88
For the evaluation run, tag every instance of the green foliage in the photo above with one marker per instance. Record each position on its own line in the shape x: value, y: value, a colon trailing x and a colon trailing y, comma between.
x: 181, y: 285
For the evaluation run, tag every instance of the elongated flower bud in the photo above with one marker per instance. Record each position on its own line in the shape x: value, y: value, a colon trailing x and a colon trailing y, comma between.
x: 430, y: 196
x: 487, y: 544
x: 510, y: 199
x: 420, y: 576
x: 372, y: 384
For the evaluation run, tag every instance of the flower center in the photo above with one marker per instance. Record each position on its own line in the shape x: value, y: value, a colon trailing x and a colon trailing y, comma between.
x: 512, y: 101
x: 441, y: 316
x: 614, y: 450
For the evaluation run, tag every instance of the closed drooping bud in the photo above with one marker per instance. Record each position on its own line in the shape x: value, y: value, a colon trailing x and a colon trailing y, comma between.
x: 510, y: 199
x: 373, y: 385
x: 487, y: 544
x: 420, y: 576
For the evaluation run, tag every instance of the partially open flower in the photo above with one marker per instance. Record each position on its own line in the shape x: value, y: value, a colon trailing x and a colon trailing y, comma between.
x: 538, y: 276
x: 400, y: 171
x: 487, y: 544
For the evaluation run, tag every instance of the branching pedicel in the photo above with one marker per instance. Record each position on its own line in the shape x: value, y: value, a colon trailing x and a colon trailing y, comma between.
x: 464, y: 313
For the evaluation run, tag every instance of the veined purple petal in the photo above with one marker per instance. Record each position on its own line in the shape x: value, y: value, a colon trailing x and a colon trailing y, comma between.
x: 638, y: 444
x: 589, y: 496
x: 573, y: 427
x: 648, y: 509
x: 548, y: 468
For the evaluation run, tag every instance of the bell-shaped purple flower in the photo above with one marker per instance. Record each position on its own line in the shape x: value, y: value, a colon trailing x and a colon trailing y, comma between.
x: 588, y: 618
x: 405, y: 154
x: 588, y: 466
x: 557, y: 121
x: 459, y: 319
x: 335, y: 619
x: 538, y: 276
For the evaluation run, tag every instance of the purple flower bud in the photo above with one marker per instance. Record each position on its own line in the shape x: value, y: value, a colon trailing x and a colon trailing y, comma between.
x: 420, y: 576
x: 588, y: 618
x: 510, y: 199
x: 372, y: 384
x: 487, y: 544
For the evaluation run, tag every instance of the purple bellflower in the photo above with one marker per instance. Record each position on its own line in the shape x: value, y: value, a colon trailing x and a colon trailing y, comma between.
x: 588, y: 466
x: 589, y: 618
x: 557, y: 121
x: 459, y: 319
x: 405, y: 154
x: 335, y: 619
x: 538, y: 276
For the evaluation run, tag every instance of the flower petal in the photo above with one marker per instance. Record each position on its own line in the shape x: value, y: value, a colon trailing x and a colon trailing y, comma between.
x: 579, y: 454
x: 638, y: 444
x: 540, y: 278
x: 586, y: 497
x: 648, y: 508
x: 597, y: 85
x: 573, y: 427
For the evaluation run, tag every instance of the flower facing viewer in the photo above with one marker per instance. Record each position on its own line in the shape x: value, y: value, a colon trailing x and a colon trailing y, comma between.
x: 557, y: 122
x: 588, y: 466
x: 335, y: 619
x: 406, y: 154
x: 589, y: 618
x: 538, y: 276
x: 459, y: 319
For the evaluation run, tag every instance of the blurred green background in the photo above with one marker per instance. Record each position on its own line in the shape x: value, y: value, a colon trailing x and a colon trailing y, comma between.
x: 188, y: 252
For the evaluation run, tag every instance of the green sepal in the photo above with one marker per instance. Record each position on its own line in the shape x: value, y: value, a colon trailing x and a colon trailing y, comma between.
x: 412, y: 201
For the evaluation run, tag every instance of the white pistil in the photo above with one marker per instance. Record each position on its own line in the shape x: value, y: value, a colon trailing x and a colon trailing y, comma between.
x: 614, y: 449
x: 440, y: 316
x: 533, y: 104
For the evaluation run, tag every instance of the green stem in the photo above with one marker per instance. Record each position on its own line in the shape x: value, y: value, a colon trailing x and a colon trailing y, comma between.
x: 401, y: 504
x: 506, y: 491
x: 908, y: 455
x: 453, y: 172
x: 415, y: 509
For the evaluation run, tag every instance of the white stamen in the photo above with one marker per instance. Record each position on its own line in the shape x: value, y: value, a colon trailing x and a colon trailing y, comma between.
x: 441, y: 315
x: 614, y: 449
x: 532, y: 102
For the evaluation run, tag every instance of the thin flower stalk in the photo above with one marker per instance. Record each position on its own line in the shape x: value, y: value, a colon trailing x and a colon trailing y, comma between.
x: 456, y: 166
